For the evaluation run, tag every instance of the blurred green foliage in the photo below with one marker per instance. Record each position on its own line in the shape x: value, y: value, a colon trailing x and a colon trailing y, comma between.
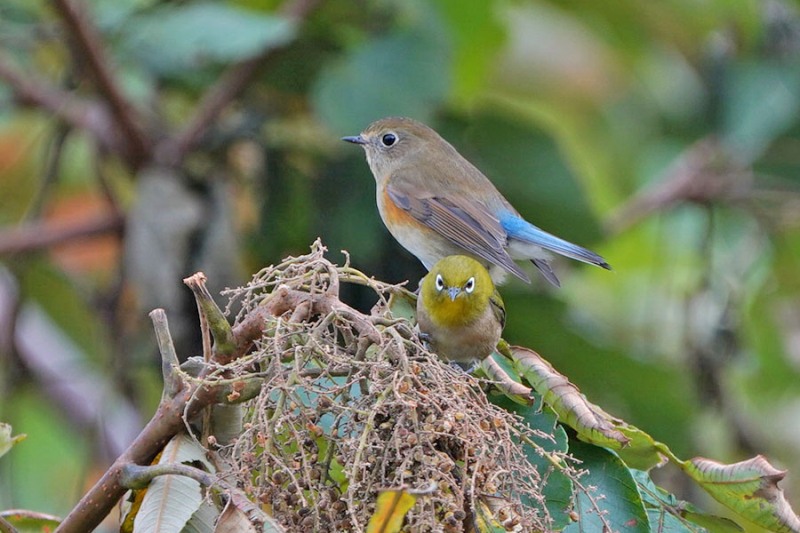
x: 572, y: 108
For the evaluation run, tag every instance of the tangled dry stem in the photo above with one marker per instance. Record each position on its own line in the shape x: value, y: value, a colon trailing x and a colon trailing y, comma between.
x: 352, y: 404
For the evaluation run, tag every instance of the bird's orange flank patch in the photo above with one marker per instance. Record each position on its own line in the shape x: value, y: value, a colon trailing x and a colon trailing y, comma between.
x: 391, y: 213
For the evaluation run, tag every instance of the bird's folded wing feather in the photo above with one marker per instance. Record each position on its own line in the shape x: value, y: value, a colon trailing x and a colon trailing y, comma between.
x: 467, y: 224
x: 498, y: 308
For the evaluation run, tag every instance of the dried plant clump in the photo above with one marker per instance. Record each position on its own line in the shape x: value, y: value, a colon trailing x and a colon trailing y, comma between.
x: 352, y: 404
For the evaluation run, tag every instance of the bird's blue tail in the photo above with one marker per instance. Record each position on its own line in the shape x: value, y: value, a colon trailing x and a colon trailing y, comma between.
x: 522, y: 230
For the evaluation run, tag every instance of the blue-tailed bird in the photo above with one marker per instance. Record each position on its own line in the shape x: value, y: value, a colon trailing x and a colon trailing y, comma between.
x: 436, y: 203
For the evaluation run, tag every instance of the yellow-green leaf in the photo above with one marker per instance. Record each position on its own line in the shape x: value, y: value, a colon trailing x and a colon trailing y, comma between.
x: 130, y: 508
x: 750, y: 488
x: 390, y: 510
x: 25, y: 521
x: 6, y: 440
x: 403, y: 305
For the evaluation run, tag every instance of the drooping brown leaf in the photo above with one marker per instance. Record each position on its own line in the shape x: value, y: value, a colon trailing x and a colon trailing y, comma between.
x: 595, y: 426
x: 232, y: 520
x: 495, y: 515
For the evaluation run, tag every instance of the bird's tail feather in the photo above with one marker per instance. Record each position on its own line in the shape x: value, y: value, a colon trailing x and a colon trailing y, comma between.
x: 546, y: 270
x: 524, y: 231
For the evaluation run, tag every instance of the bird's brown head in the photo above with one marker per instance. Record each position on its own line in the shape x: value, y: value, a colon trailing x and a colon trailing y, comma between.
x: 390, y: 143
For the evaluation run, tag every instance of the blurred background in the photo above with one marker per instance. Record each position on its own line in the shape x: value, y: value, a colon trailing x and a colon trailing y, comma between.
x: 143, y: 140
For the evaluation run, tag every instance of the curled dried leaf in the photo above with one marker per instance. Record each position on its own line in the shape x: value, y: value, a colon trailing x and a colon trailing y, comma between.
x: 750, y: 488
x: 593, y: 425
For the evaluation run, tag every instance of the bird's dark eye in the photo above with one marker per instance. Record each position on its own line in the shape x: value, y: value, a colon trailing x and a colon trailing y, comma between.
x: 469, y: 286
x: 389, y: 139
x: 439, y: 282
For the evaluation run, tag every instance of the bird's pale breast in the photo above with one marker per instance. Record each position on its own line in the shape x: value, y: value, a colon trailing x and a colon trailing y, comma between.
x: 458, y: 341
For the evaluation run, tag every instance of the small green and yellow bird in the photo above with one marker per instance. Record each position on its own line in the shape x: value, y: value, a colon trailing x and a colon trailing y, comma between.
x: 459, y: 311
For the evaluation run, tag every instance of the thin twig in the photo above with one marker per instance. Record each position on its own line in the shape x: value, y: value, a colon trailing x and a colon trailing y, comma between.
x: 80, y: 113
x: 229, y: 86
x: 52, y: 165
x: 90, y: 45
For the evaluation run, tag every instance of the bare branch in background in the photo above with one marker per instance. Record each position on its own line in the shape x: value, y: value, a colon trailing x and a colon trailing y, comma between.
x: 40, y: 235
x: 75, y: 111
x: 228, y: 87
x: 86, y: 36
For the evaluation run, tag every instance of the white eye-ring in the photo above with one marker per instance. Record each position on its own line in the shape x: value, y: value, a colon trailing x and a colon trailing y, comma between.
x: 469, y: 286
x: 439, y: 282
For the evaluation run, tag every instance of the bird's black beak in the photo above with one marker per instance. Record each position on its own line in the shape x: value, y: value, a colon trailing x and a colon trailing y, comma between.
x: 356, y: 139
x: 453, y: 292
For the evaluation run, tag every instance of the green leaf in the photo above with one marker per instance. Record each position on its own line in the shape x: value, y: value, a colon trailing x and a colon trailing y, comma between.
x: 557, y: 486
x: 762, y: 104
x: 642, y: 451
x: 204, y: 519
x: 111, y: 15
x: 477, y: 36
x: 612, y: 492
x: 499, y: 370
x: 175, y: 38
x: 404, y: 73
x: 664, y: 522
x: 402, y: 306
x: 41, y: 473
x: 226, y: 422
x: 750, y: 488
x: 708, y: 522
x: 669, y: 514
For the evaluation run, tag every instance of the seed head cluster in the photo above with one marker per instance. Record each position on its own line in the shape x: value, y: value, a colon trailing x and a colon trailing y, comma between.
x: 353, y: 404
